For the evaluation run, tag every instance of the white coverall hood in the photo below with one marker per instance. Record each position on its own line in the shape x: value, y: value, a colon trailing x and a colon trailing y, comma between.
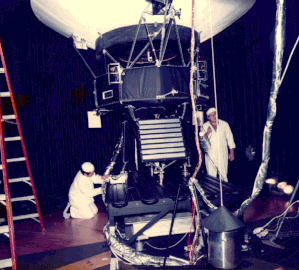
x: 87, y: 167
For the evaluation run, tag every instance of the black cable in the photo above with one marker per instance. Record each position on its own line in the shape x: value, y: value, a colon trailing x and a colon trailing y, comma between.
x: 171, y: 226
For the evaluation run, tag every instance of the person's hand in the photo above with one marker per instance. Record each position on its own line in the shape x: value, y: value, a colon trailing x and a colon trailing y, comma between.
x: 209, y: 130
x: 231, y: 156
x: 208, y: 133
x: 104, y: 176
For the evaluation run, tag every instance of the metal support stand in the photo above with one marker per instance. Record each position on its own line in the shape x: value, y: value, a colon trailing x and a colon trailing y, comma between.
x: 114, y: 264
x: 125, y: 146
x: 286, y: 211
x: 171, y: 226
x: 185, y: 170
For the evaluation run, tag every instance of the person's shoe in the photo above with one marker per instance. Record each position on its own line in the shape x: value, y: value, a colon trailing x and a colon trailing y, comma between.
x: 65, y: 214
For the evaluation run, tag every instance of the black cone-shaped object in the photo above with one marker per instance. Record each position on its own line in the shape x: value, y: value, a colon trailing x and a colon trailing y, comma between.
x: 222, y: 220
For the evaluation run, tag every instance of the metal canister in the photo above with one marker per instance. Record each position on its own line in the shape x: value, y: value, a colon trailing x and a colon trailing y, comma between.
x: 224, y: 249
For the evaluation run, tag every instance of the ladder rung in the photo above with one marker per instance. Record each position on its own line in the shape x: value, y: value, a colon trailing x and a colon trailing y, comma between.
x: 5, y: 94
x: 9, y: 139
x: 8, y: 117
x: 1, y: 70
x: 10, y: 160
x: 25, y: 216
x: 4, y: 229
x: 15, y: 159
x: 5, y: 263
x: 25, y: 198
x: 21, y: 179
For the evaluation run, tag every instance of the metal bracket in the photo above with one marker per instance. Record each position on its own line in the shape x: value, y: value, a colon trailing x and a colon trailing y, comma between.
x: 172, y: 92
x: 79, y: 43
x: 10, y: 122
x: 114, y: 73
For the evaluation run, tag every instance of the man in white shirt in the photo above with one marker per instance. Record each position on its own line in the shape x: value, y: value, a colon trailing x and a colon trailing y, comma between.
x: 220, y: 136
x: 82, y: 192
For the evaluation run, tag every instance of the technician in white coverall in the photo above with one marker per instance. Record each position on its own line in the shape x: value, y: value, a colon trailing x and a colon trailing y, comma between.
x: 82, y: 192
x: 218, y: 152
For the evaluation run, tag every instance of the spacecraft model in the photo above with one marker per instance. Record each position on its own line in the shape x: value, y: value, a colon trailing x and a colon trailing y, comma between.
x: 145, y: 47
x: 139, y: 33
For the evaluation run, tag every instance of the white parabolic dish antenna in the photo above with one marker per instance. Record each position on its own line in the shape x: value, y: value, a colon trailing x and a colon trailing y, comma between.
x: 86, y: 19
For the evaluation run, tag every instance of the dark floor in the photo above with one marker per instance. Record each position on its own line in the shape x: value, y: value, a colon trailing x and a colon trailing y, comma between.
x: 61, y: 233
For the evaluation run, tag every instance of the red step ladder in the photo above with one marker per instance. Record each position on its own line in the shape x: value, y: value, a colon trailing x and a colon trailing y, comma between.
x: 6, y: 199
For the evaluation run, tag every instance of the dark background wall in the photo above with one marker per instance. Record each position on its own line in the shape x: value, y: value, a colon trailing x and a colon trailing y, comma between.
x: 243, y: 66
x: 54, y: 89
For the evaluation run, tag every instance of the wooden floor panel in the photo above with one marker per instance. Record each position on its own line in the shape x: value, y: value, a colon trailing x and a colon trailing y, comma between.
x: 258, y: 210
x: 61, y: 233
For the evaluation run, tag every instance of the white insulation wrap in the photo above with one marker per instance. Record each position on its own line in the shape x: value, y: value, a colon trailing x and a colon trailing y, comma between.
x: 85, y: 19
x: 133, y: 256
x: 272, y: 106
